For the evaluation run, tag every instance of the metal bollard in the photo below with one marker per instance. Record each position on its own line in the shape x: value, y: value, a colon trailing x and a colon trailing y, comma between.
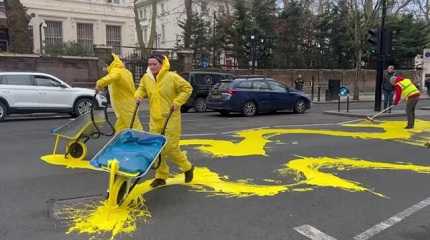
x: 347, y: 103
x: 319, y: 94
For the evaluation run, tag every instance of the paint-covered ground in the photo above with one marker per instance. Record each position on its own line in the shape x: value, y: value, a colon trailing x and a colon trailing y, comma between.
x: 256, y: 178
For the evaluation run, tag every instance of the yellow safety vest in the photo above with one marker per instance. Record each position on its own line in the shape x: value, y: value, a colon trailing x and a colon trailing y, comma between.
x: 408, y: 88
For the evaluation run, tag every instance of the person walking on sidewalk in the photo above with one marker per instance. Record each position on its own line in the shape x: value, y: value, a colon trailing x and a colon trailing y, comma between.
x: 406, y: 90
x: 388, y: 88
x: 166, y: 92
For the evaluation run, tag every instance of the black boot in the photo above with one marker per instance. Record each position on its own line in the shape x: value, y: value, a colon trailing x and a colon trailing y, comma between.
x: 158, y: 182
x: 189, y: 175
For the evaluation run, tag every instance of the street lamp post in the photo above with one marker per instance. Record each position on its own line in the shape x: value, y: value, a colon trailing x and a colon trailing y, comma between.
x: 253, y: 52
x: 381, y: 59
x: 42, y: 25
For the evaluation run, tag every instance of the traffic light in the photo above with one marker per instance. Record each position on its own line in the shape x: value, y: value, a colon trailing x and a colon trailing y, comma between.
x: 373, y: 40
x: 388, y: 42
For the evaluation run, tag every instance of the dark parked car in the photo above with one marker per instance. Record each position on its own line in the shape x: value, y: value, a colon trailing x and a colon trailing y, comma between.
x: 202, y: 82
x: 251, y: 96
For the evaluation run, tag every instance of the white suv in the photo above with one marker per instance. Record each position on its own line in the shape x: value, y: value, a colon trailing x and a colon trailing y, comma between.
x: 22, y: 92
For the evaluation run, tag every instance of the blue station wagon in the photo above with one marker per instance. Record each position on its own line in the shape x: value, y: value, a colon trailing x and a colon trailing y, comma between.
x: 251, y: 96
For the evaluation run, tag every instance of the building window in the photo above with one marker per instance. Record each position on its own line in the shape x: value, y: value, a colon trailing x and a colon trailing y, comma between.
x: 113, y: 38
x: 85, y: 35
x: 53, y: 33
x: 114, y: 1
x: 144, y: 14
x: 163, y: 33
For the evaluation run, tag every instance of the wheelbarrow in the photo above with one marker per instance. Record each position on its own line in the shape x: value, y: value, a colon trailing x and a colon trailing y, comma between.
x: 128, y: 157
x: 76, y: 133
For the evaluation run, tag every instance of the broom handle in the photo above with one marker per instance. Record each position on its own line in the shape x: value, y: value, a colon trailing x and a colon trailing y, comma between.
x: 381, y: 112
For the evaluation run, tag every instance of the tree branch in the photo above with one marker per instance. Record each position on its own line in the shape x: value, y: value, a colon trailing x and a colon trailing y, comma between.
x: 406, y: 3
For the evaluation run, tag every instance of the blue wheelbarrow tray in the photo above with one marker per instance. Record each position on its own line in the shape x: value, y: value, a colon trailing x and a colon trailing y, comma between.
x: 136, y: 152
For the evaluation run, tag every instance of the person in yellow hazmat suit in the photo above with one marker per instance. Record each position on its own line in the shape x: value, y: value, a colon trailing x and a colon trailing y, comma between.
x: 121, y: 87
x: 166, y: 92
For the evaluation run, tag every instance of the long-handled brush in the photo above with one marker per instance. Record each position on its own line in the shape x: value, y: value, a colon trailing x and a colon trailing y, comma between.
x: 372, y: 118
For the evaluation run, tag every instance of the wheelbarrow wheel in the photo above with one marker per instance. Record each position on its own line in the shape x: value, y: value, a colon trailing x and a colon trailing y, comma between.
x: 77, y: 150
x: 119, y: 191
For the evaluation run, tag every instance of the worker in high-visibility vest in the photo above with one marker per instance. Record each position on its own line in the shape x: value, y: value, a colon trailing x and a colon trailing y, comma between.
x: 404, y: 89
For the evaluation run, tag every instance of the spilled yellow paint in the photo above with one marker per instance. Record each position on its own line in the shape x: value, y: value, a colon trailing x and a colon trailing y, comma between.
x: 253, y: 142
x: 122, y: 220
x: 60, y: 160
x: 106, y: 219
x: 308, y: 171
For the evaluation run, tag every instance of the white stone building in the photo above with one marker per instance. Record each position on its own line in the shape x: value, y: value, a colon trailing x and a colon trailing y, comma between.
x: 170, y: 13
x: 87, y: 22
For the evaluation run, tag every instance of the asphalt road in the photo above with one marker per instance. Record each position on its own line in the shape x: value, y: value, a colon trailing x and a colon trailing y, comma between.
x: 27, y: 183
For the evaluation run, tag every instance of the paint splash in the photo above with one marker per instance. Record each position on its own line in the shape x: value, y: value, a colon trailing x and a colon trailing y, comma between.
x: 122, y: 220
x: 253, y: 142
x: 308, y: 171
x: 60, y: 160
x: 102, y: 219
x: 108, y: 220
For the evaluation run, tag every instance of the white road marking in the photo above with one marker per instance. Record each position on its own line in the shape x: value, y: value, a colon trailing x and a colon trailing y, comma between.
x: 392, y: 220
x: 313, y: 233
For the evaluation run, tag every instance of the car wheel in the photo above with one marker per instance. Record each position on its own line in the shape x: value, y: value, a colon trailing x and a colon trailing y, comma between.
x: 82, y: 106
x: 3, y: 111
x: 300, y: 106
x: 200, y: 105
x: 224, y: 113
x: 249, y: 109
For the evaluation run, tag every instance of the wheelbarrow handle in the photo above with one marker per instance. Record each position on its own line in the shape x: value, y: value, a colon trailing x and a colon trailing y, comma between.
x: 163, y: 131
x: 136, y: 109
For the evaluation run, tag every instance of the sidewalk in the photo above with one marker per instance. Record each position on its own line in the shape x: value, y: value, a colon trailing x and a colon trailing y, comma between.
x: 364, y: 97
x: 368, y: 112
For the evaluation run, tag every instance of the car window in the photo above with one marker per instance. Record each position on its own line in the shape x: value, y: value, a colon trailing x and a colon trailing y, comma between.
x: 244, y: 85
x: 45, y: 81
x: 260, y: 85
x: 277, y: 87
x: 1, y: 80
x: 203, y: 79
x: 224, y: 85
x: 21, y: 80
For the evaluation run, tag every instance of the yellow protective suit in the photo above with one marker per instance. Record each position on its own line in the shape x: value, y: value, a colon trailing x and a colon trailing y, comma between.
x: 121, y: 88
x: 164, y: 91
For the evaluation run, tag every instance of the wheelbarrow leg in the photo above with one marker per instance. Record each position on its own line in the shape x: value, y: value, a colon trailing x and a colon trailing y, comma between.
x: 57, y: 141
x: 118, y: 185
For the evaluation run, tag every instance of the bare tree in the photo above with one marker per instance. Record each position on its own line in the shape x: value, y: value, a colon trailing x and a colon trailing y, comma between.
x: 153, y: 35
x: 138, y: 28
x: 188, y: 23
x: 424, y: 9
